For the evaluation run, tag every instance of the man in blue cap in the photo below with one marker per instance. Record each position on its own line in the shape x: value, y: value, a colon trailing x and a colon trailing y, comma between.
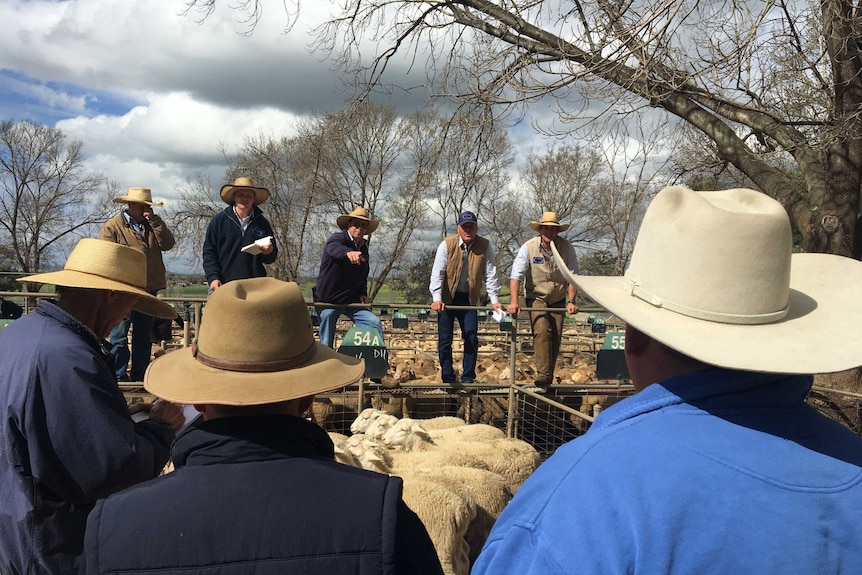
x: 463, y: 263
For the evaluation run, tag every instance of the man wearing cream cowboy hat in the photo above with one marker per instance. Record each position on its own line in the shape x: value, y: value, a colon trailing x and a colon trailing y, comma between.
x: 66, y: 436
x: 239, y: 225
x: 256, y: 488
x: 139, y: 227
x: 717, y: 464
x: 343, y: 275
x: 545, y: 287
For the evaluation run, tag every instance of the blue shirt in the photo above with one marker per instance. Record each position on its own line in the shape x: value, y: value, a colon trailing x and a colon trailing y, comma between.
x: 714, y: 472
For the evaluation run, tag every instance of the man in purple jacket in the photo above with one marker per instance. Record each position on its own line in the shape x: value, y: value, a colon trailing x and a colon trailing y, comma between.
x: 343, y: 275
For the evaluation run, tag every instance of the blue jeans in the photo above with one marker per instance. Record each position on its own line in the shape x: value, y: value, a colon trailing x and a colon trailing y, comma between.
x: 469, y: 322
x: 142, y: 326
x: 359, y: 316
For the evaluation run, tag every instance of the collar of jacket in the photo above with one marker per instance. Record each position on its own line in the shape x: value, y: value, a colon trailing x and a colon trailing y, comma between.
x: 252, y: 438
x: 50, y: 309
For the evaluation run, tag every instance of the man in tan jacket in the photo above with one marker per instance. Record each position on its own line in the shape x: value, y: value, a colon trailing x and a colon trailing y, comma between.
x: 544, y: 287
x: 140, y: 228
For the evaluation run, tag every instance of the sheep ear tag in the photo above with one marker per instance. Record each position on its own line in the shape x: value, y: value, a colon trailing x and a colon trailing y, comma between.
x: 366, y: 343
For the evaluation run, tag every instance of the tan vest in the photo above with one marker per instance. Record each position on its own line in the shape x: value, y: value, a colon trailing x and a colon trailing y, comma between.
x: 475, y: 268
x: 544, y: 280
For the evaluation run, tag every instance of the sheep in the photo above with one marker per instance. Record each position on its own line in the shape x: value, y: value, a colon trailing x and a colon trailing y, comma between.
x: 378, y: 428
x: 512, y: 458
x: 398, y: 434
x: 446, y: 516
x: 490, y: 492
x: 364, y: 419
x: 473, y: 432
x: 368, y: 453
x: 442, y: 422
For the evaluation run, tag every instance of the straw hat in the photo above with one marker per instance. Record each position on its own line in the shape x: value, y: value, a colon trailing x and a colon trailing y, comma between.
x: 548, y: 219
x: 139, y: 195
x: 98, y: 264
x: 357, y: 214
x: 228, y: 190
x: 712, y: 276
x: 256, y: 345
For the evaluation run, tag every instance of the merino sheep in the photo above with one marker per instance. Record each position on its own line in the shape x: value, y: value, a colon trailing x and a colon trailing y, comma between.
x: 368, y: 453
x: 364, y: 419
x: 381, y: 424
x: 442, y: 422
x: 398, y: 434
x: 512, y: 458
x: 446, y: 516
x: 490, y: 491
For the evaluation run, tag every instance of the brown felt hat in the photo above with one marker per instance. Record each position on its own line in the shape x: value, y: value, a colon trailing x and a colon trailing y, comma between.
x: 256, y: 346
x: 98, y: 264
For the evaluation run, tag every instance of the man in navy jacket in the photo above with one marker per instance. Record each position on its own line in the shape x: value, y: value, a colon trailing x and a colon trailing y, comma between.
x: 343, y: 275
x: 239, y: 225
x: 256, y: 488
x: 66, y: 435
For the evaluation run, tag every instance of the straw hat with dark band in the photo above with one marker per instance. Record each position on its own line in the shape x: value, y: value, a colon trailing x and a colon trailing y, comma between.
x: 229, y: 190
x: 713, y: 276
x: 97, y: 264
x: 138, y: 195
x: 256, y: 346
x: 357, y: 214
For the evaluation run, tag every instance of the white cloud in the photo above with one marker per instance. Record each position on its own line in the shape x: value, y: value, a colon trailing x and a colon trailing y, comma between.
x: 160, y: 144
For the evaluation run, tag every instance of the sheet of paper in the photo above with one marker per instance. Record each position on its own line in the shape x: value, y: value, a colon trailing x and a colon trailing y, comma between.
x: 254, y: 248
x: 499, y: 315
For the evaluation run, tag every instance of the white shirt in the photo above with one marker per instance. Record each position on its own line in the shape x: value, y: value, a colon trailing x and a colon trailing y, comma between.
x: 438, y: 272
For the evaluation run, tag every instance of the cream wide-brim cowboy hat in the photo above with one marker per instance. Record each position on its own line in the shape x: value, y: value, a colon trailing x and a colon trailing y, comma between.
x: 228, y: 191
x: 99, y: 264
x: 712, y: 276
x: 256, y: 346
x: 358, y: 214
x: 548, y: 219
x: 138, y: 195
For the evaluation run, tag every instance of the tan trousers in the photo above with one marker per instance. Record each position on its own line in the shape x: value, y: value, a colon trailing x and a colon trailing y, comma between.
x: 547, y: 333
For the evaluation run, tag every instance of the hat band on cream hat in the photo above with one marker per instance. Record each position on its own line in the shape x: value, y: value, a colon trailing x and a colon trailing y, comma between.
x: 713, y: 276
x: 256, y: 346
x: 139, y: 196
x: 99, y: 264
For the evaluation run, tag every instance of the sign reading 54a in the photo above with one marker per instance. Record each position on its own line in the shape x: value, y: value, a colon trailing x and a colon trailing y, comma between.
x: 363, y: 337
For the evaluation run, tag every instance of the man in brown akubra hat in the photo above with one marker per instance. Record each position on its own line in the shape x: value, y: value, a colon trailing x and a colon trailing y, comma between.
x: 256, y: 488
x: 139, y: 227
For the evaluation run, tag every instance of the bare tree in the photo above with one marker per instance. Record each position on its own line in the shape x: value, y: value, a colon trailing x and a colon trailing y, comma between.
x: 767, y: 82
x: 46, y: 195
x: 199, y: 202
x: 563, y: 180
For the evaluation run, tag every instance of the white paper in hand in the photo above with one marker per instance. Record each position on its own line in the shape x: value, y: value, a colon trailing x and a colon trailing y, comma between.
x: 254, y: 248
x: 499, y: 314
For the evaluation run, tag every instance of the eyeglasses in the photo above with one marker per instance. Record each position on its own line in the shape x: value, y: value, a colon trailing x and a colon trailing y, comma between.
x: 358, y: 223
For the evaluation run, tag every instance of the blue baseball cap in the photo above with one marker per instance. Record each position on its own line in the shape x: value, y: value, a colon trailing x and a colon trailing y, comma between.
x: 468, y: 218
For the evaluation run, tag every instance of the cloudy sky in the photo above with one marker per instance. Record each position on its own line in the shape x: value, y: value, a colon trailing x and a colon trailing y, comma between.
x: 152, y: 92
